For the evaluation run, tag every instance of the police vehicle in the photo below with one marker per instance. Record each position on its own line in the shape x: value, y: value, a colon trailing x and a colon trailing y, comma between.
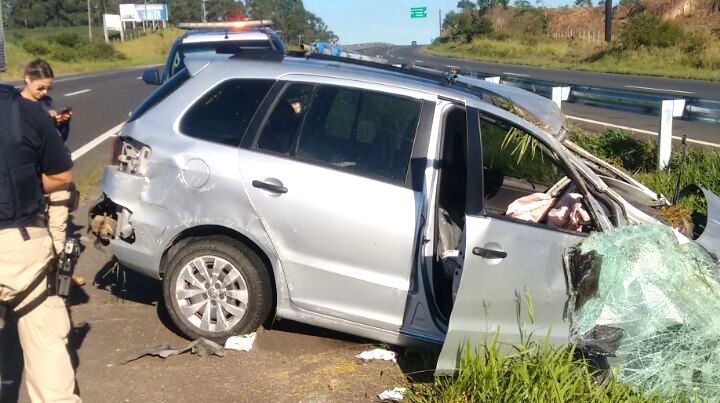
x: 213, y: 38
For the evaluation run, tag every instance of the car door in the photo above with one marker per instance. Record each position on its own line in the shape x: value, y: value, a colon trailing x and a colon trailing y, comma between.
x: 513, y: 275
x: 328, y: 175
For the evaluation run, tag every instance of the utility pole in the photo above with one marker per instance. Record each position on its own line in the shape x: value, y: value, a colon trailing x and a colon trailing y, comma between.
x: 204, y: 11
x: 89, y: 22
x: 608, y: 21
x: 145, y: 18
x: 439, y: 23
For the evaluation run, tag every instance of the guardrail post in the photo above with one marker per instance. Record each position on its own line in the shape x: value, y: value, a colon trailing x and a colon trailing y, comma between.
x: 494, y: 80
x: 560, y: 94
x: 669, y: 109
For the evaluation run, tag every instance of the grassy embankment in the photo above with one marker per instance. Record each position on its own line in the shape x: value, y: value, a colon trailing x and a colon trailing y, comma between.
x: 585, y: 56
x: 82, y: 57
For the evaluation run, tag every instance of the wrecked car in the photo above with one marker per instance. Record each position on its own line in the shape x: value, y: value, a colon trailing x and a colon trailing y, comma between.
x: 359, y: 197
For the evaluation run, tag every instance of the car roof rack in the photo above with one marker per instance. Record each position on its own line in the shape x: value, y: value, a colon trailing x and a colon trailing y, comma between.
x: 447, y: 78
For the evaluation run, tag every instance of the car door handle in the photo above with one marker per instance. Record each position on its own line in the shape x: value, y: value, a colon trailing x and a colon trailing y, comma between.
x: 269, y: 187
x: 489, y: 253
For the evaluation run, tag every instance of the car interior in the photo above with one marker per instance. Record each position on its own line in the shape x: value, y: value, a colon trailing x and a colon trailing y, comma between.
x: 522, y: 182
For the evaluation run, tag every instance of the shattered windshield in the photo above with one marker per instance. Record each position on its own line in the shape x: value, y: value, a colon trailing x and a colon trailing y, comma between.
x: 647, y: 301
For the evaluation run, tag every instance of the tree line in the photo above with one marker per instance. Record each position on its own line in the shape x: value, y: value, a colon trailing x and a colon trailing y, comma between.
x: 290, y: 16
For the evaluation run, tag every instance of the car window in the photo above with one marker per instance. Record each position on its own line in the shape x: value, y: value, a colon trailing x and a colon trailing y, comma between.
x: 280, y: 130
x: 360, y: 131
x: 223, y: 114
x: 160, y: 94
x: 523, y: 180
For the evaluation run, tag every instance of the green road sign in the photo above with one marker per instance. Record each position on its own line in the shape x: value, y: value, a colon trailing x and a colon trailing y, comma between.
x: 418, y: 12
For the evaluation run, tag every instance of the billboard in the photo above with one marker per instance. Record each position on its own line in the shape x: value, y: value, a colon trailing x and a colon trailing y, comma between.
x: 143, y: 12
x: 112, y: 22
x: 3, y: 64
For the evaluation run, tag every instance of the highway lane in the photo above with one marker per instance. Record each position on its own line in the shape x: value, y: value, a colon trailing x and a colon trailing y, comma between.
x: 656, y: 85
x: 582, y: 115
x: 100, y: 101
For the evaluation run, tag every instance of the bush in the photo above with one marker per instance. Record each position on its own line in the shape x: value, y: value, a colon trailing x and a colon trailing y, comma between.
x: 63, y: 54
x: 68, y: 39
x: 650, y: 31
x: 619, y: 148
x: 36, y: 48
x: 100, y: 51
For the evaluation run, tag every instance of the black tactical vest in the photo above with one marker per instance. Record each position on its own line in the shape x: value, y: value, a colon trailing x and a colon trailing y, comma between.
x: 20, y: 187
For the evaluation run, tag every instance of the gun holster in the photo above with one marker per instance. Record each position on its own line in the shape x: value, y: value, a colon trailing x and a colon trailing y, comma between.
x: 62, y: 269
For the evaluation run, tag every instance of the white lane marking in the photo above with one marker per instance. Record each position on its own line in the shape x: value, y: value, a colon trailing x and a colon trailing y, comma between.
x: 632, y: 129
x: 70, y: 94
x: 516, y: 74
x: 96, y: 142
x: 401, y: 58
x: 139, y: 78
x: 659, y: 89
x: 419, y: 61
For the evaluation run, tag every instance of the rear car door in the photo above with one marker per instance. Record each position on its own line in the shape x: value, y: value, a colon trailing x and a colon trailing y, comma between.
x: 513, y: 276
x: 328, y: 176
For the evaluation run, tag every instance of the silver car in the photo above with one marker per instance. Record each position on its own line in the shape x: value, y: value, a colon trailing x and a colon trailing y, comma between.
x: 363, y: 198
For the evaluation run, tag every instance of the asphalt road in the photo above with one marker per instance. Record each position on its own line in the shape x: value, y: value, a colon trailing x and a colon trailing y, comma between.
x: 589, y: 117
x: 657, y: 85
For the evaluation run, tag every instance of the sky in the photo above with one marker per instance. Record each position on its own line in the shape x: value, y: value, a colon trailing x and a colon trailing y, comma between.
x: 363, y: 21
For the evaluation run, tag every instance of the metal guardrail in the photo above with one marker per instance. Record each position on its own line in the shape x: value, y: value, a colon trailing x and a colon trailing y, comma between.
x: 630, y: 101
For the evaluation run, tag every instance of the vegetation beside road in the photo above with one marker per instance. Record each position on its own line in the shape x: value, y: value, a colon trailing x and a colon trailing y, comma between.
x: 527, y: 372
x: 69, y: 51
x: 644, y: 44
x: 701, y: 166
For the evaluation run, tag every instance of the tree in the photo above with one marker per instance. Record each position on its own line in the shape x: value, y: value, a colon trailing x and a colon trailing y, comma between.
x: 523, y: 5
x: 466, y: 5
x: 583, y: 3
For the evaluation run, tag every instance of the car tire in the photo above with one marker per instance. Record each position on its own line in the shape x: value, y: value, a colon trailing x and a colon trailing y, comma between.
x: 216, y: 287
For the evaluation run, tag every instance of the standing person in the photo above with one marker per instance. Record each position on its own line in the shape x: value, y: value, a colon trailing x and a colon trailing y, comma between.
x: 33, y: 161
x: 38, y: 83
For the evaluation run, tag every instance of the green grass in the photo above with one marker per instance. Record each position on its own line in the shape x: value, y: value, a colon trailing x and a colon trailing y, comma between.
x: 585, y: 56
x: 531, y: 372
x: 150, y: 49
x: 701, y: 166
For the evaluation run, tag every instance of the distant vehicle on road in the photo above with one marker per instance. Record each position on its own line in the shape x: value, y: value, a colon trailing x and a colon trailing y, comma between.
x: 214, y: 38
x: 414, y: 43
x: 356, y: 196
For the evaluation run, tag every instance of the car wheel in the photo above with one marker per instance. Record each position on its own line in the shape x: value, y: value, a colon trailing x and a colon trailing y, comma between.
x: 216, y: 287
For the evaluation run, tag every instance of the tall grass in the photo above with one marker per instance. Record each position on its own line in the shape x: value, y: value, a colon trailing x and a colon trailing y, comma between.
x: 700, y: 166
x: 533, y: 373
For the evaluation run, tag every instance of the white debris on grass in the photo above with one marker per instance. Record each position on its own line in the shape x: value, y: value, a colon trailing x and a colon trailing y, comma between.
x: 377, y: 354
x: 243, y: 342
x: 392, y: 395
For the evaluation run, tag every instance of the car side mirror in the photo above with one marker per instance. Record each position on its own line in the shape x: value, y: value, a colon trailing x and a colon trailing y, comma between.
x: 152, y: 77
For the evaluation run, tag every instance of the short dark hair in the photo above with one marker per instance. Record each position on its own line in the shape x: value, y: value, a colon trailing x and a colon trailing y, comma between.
x: 38, y: 69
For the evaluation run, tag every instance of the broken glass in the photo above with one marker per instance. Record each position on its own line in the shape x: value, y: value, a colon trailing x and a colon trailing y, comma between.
x: 649, y: 304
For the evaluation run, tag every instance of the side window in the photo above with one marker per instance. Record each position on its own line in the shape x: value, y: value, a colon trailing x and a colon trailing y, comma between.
x: 363, y: 132
x: 523, y: 180
x: 281, y: 128
x: 223, y: 114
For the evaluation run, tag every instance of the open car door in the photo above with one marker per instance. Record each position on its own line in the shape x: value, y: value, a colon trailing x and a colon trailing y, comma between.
x: 507, y: 265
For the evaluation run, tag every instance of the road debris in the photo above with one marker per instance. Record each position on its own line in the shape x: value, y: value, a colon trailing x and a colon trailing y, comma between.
x: 648, y: 304
x: 392, y: 395
x: 242, y: 342
x: 201, y: 347
x: 377, y: 354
